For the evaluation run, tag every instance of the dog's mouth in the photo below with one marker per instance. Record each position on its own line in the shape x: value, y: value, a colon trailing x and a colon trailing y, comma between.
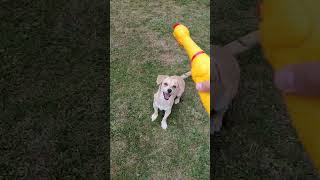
x: 166, y: 95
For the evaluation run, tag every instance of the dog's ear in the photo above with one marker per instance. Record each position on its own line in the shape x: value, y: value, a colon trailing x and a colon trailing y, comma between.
x: 160, y: 78
x: 179, y: 83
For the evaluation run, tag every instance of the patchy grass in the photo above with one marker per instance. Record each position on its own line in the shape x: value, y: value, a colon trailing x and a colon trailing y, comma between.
x: 142, y: 47
x: 258, y: 140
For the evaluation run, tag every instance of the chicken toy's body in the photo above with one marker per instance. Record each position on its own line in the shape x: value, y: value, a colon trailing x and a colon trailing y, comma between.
x: 290, y: 34
x: 200, y: 61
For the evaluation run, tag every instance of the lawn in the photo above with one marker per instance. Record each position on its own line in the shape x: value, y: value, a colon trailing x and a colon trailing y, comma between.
x: 142, y: 47
x: 258, y: 140
x: 52, y: 89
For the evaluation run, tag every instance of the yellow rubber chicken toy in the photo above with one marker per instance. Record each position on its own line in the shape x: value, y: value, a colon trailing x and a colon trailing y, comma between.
x: 290, y: 34
x: 200, y: 61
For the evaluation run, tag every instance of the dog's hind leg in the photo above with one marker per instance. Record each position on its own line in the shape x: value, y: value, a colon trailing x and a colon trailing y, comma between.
x: 178, y: 97
x: 177, y: 100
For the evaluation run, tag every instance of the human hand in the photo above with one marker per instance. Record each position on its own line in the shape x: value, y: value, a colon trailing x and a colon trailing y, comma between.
x: 204, y: 86
x: 299, y: 79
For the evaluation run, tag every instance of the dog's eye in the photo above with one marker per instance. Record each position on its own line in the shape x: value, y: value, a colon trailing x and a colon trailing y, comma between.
x: 174, y: 86
x: 166, y: 84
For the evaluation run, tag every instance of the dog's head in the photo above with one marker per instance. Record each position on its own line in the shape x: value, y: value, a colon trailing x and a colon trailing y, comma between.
x: 168, y: 86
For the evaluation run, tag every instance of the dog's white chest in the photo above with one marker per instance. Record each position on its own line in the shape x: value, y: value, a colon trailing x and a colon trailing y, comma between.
x: 163, y: 104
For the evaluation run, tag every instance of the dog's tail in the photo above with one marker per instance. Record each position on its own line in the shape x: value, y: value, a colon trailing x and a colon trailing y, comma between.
x: 186, y: 75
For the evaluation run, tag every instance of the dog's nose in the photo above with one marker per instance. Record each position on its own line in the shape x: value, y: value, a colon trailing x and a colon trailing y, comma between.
x: 169, y: 90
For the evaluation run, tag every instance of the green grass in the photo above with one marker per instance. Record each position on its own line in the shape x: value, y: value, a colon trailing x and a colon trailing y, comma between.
x: 142, y: 47
x: 258, y: 140
x: 52, y: 90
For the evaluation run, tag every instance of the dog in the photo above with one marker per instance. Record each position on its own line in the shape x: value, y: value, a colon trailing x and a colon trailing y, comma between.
x: 169, y: 92
x: 226, y: 76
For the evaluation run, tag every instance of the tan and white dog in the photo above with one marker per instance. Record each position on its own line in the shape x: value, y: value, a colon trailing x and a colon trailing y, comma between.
x: 170, y: 91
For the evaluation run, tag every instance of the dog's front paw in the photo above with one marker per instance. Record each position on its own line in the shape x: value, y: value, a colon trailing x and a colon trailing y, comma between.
x: 154, y: 116
x: 176, y: 101
x: 164, y: 125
